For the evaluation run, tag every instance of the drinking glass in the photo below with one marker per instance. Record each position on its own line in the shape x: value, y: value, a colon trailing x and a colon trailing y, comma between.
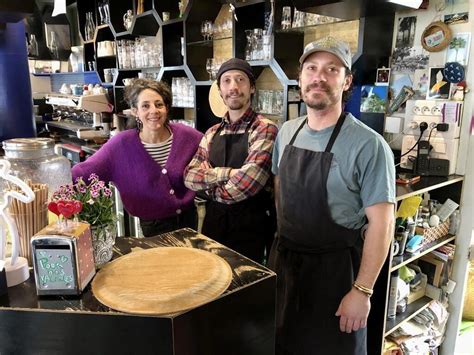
x: 286, y: 17
x: 277, y: 102
x: 209, y: 67
x: 204, y: 30
x: 267, y: 47
x: 257, y: 53
x: 248, y: 46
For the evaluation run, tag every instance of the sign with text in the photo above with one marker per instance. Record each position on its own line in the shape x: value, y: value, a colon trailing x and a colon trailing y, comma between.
x: 55, y: 269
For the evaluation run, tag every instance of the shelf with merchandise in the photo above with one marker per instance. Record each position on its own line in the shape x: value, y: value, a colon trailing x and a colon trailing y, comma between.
x: 407, y: 258
x: 412, y: 310
x: 186, y: 108
x: 175, y: 10
x: 440, y: 189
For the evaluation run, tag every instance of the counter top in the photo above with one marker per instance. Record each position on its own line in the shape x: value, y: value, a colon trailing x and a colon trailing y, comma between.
x: 239, y: 321
x: 244, y: 272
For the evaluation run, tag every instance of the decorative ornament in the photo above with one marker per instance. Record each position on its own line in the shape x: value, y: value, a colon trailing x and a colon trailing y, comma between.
x: 454, y: 72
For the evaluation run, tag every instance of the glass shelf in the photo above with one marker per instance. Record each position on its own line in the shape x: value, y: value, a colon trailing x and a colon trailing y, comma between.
x: 304, y: 28
x: 207, y: 43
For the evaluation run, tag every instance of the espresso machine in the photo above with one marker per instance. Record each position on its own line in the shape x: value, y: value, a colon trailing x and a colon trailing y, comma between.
x: 88, y: 116
x: 80, y: 124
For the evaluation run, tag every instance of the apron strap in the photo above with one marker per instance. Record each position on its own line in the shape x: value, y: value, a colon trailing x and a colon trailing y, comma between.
x: 335, y: 132
x: 298, y: 131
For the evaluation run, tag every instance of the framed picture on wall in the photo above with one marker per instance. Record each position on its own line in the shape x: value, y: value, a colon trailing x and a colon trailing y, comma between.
x: 383, y: 76
x: 438, y: 85
x: 458, y: 48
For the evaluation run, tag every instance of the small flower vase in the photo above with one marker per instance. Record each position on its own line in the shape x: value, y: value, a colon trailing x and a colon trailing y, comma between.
x: 103, y: 240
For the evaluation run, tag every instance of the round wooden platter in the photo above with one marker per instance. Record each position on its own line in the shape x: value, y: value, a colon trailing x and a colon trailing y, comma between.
x: 162, y: 281
x: 216, y: 103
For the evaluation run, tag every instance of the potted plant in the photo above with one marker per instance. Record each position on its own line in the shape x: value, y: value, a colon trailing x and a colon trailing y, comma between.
x: 97, y: 202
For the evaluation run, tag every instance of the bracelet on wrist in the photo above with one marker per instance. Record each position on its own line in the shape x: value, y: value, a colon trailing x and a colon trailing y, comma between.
x: 365, y: 290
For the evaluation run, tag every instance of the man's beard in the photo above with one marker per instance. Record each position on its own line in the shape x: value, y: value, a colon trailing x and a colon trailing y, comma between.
x: 236, y: 105
x: 322, y: 102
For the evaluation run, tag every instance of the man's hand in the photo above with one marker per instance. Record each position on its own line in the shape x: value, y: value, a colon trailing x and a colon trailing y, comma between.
x: 353, y: 311
x: 205, y: 165
x: 233, y: 172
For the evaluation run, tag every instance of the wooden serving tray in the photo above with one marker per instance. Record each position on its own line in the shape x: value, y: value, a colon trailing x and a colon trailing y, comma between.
x: 162, y: 281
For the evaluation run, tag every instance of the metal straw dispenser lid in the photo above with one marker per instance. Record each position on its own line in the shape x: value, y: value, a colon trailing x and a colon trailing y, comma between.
x: 27, y: 144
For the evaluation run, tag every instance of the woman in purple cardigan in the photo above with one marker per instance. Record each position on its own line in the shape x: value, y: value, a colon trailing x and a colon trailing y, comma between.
x: 146, y: 165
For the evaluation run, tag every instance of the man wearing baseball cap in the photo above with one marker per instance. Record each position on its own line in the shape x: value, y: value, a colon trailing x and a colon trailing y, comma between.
x: 333, y: 174
x: 232, y: 167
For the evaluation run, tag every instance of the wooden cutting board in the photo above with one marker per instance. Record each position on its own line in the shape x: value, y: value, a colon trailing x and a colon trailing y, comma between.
x: 162, y: 281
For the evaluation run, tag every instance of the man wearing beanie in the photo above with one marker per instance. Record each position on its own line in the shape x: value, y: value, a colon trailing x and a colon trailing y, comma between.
x: 333, y: 174
x: 232, y: 167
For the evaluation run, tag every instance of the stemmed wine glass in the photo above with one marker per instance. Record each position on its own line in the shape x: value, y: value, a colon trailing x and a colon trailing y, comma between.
x: 209, y: 30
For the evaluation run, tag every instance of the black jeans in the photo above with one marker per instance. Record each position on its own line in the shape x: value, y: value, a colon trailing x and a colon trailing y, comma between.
x: 160, y: 226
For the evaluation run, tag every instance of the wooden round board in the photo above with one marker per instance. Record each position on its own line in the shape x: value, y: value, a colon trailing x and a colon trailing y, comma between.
x: 216, y: 103
x: 162, y: 281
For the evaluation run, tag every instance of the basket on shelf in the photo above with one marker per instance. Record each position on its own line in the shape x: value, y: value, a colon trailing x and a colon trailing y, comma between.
x: 468, y: 310
x: 434, y: 233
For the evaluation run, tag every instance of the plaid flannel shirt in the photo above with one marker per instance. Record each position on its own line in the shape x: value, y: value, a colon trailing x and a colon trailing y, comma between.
x: 254, y: 173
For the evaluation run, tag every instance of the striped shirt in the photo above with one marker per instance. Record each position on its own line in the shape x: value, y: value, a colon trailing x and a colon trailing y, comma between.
x: 159, y: 151
x: 255, y: 171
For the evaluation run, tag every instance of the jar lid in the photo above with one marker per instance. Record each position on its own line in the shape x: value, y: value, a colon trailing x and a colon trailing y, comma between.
x: 27, y: 144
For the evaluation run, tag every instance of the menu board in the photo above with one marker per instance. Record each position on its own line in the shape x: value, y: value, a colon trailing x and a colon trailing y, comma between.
x: 55, y: 269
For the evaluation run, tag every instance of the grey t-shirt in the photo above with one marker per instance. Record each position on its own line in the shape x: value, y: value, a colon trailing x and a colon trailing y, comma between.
x: 362, y: 171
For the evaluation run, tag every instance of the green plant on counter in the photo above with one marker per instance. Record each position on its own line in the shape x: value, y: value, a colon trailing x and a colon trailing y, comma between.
x: 96, y: 198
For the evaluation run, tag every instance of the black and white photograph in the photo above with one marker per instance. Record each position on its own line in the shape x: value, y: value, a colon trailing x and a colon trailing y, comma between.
x: 409, y: 59
x: 458, y: 49
x: 406, y: 32
x: 439, y: 87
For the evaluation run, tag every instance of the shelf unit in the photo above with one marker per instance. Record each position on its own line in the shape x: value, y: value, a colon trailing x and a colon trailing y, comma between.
x: 184, y: 50
x: 440, y: 188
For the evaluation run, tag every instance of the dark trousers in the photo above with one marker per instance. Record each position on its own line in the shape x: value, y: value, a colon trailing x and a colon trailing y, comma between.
x: 246, y: 227
x: 187, y: 219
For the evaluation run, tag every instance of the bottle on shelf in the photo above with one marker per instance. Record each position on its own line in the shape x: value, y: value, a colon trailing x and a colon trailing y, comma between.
x: 89, y: 28
x: 392, y: 300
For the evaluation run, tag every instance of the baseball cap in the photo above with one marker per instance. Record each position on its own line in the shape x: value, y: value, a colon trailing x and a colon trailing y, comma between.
x: 236, y: 64
x: 331, y: 45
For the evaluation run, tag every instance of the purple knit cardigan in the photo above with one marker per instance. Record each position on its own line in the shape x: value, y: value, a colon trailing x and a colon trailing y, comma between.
x: 148, y: 190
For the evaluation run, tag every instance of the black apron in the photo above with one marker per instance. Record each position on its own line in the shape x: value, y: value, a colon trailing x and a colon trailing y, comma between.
x: 316, y: 260
x: 245, y: 226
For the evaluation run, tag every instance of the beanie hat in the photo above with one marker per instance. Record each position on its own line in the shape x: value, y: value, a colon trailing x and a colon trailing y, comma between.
x: 236, y: 64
